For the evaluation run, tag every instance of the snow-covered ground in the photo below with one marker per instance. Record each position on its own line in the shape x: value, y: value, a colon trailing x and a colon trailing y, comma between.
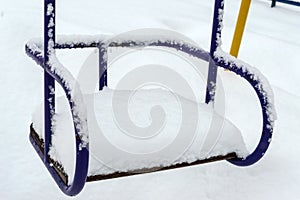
x: 271, y: 43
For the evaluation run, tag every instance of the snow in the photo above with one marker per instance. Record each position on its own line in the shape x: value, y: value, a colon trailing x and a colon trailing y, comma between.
x: 78, y: 111
x: 263, y: 85
x: 271, y: 43
x: 141, y: 152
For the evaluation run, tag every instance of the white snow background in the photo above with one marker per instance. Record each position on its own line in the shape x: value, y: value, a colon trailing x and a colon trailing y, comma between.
x: 271, y: 43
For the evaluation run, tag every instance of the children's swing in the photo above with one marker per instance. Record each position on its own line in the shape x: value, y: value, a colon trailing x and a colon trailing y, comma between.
x: 43, y: 53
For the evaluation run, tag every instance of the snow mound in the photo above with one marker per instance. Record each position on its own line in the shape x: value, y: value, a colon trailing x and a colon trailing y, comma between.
x: 132, y: 130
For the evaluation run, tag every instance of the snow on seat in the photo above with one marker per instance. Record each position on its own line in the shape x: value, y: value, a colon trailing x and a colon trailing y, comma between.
x: 143, y: 129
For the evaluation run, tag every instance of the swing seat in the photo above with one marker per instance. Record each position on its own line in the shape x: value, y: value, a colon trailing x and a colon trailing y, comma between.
x: 114, y: 152
x: 74, y: 135
x: 99, y: 161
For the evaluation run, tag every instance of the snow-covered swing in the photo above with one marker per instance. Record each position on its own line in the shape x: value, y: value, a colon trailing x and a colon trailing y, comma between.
x: 42, y: 137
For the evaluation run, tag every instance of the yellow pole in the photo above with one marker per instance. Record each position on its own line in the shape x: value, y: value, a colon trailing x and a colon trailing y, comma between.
x: 240, y: 27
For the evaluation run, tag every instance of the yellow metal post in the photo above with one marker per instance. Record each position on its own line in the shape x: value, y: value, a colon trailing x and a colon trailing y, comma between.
x: 240, y: 27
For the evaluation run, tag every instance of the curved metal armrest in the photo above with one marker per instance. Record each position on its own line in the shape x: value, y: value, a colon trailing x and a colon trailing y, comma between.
x: 82, y: 154
x: 263, y: 90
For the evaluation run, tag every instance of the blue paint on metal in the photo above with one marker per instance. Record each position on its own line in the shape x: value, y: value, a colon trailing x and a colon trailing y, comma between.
x: 267, y: 128
x: 179, y: 46
x: 290, y: 2
x: 213, y: 69
x: 49, y: 96
x: 266, y: 135
x: 103, y: 58
x: 82, y: 154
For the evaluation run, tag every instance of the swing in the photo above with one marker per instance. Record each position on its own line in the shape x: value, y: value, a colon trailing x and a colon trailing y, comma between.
x: 85, y: 169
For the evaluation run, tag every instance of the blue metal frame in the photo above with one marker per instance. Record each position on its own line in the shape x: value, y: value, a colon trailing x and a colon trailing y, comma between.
x: 82, y: 155
x: 290, y: 2
x: 213, y: 68
x: 179, y: 46
x: 49, y: 84
x: 268, y: 120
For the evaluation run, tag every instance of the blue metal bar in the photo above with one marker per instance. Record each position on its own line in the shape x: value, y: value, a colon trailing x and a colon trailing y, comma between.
x: 179, y: 46
x: 215, y: 37
x: 294, y: 3
x: 49, y: 85
x: 268, y: 121
x: 76, y: 45
x: 103, y: 58
x: 35, y: 53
